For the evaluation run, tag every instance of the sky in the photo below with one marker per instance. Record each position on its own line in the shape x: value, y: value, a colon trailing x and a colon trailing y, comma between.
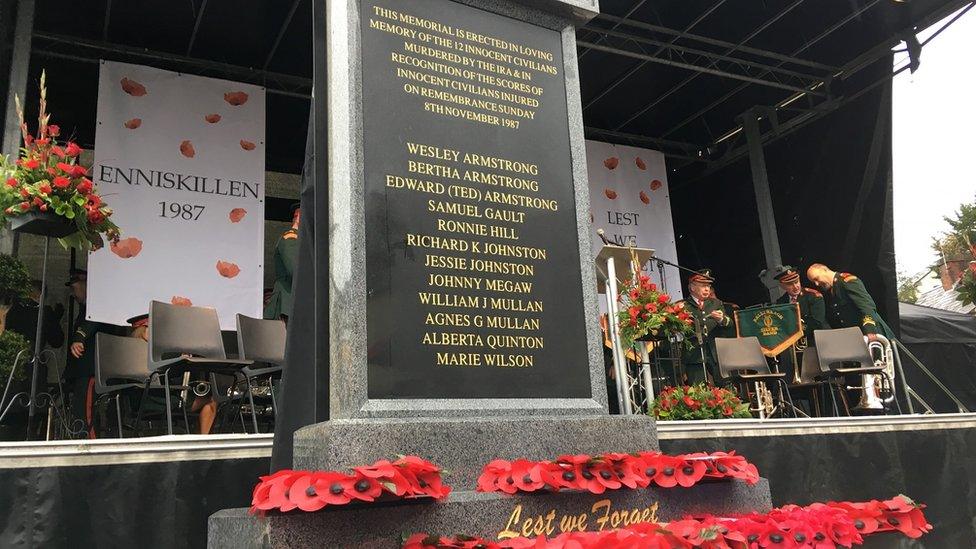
x: 934, y: 118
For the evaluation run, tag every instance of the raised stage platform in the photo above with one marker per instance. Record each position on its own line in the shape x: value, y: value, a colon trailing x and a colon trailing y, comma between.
x: 159, y: 491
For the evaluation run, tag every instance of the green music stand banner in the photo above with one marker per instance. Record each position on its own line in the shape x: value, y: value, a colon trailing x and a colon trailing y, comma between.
x: 777, y: 326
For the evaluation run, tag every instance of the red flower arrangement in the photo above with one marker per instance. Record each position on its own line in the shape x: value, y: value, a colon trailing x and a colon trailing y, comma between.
x: 407, y: 477
x: 819, y: 526
x: 645, y: 311
x: 698, y: 402
x: 48, y: 178
x: 611, y: 471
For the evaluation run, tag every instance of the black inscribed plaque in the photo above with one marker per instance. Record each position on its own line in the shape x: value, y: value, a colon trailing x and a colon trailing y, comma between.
x: 472, y: 253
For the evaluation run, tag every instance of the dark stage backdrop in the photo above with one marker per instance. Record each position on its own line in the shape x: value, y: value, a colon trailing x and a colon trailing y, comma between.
x: 146, y: 505
x: 815, y: 176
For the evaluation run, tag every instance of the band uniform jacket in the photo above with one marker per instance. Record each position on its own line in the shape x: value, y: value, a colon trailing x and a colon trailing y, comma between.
x: 709, y: 325
x: 849, y: 304
x: 813, y: 311
x: 285, y: 261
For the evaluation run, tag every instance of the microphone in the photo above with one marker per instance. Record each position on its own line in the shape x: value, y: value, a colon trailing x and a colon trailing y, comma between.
x: 599, y: 232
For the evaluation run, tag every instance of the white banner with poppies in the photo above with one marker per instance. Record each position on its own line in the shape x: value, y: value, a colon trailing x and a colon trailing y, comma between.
x: 629, y: 200
x: 181, y: 160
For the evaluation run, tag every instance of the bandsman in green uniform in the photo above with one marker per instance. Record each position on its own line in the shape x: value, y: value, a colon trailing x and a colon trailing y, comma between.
x: 848, y: 302
x: 709, y: 314
x: 812, y: 314
x: 812, y: 306
x: 285, y: 262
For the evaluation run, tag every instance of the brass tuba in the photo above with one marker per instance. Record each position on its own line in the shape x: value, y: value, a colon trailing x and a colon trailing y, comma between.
x: 875, y: 394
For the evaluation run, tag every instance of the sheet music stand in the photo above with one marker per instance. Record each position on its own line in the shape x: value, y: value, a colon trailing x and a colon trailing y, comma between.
x: 613, y: 265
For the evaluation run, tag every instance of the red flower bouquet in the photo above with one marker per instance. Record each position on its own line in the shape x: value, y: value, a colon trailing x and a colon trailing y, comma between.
x: 405, y: 478
x: 645, y: 311
x: 610, y: 471
x: 698, y: 402
x: 47, y: 178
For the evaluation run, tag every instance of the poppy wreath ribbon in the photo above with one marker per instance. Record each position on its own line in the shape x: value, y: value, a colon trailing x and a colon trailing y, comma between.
x: 407, y: 477
x: 820, y: 526
x: 613, y: 471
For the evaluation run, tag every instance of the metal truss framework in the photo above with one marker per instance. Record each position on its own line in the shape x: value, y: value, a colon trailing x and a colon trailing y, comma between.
x: 807, y: 80
x: 647, y: 43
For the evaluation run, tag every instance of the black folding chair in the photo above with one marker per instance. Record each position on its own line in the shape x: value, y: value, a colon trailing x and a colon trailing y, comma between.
x: 809, y: 374
x: 187, y: 339
x: 741, y: 360
x: 262, y: 341
x: 120, y: 364
x: 838, y: 348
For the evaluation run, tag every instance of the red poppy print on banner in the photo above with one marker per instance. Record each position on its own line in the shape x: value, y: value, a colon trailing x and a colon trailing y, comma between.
x: 644, y: 198
x: 247, y: 145
x: 235, y: 98
x: 656, y: 184
x: 187, y: 150
x: 126, y: 248
x: 641, y: 165
x: 133, y: 123
x: 181, y: 301
x: 612, y: 163
x: 133, y: 88
x: 237, y: 214
x: 212, y: 118
x: 611, y: 194
x: 228, y: 269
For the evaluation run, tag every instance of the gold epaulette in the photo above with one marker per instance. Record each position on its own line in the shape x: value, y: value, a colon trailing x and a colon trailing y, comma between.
x: 847, y: 277
x: 812, y: 292
x: 290, y: 235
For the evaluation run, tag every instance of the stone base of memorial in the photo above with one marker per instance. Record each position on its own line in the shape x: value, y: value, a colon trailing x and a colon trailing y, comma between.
x: 462, y: 447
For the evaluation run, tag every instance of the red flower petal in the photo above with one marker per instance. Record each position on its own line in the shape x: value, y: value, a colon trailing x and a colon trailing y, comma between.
x: 237, y: 214
x: 644, y: 198
x: 212, y: 118
x: 611, y: 194
x: 227, y: 269
x: 611, y: 163
x: 641, y: 165
x: 181, y: 301
x: 235, y: 98
x: 126, y: 248
x: 247, y: 145
x: 133, y: 123
x: 186, y: 149
x: 133, y: 88
x: 656, y: 184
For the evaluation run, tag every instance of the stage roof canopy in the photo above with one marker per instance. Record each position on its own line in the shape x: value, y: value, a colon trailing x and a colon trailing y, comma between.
x: 673, y: 75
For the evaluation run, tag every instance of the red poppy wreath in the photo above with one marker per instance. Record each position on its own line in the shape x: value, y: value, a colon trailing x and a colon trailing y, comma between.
x: 611, y: 471
x: 407, y: 477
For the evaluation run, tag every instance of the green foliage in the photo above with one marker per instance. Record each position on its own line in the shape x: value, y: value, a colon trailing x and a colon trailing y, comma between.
x: 958, y: 242
x: 907, y: 289
x: 698, y: 402
x: 966, y: 289
x: 12, y: 343
x: 15, y: 279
